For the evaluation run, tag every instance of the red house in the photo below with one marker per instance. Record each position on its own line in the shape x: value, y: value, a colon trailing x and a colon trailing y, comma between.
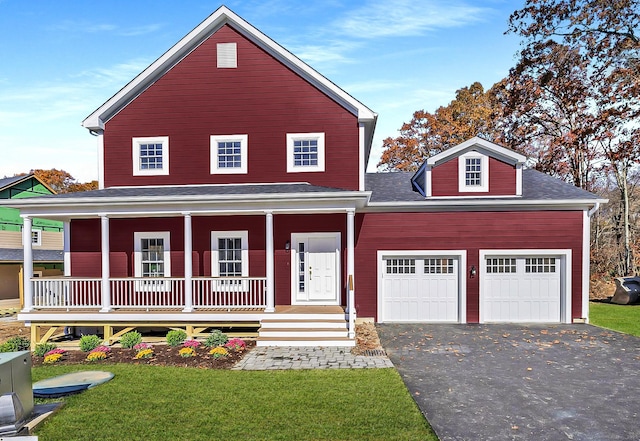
x: 233, y: 191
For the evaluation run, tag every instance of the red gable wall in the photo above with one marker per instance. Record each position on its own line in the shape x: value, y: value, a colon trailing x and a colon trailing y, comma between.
x: 261, y: 98
x: 502, y: 179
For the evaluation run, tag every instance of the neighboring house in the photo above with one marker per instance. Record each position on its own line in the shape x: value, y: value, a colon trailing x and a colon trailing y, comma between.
x: 46, y: 236
x: 233, y: 190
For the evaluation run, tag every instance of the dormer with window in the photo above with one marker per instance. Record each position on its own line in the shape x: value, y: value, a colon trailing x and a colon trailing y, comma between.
x: 475, y: 168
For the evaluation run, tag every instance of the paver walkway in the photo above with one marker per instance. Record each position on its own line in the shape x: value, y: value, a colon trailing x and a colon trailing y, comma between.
x: 272, y: 358
x: 517, y: 382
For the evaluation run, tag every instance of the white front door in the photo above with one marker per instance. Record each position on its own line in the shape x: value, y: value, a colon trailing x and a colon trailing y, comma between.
x: 315, y: 263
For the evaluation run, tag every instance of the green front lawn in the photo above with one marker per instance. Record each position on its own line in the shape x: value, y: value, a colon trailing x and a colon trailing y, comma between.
x: 622, y: 318
x: 163, y: 403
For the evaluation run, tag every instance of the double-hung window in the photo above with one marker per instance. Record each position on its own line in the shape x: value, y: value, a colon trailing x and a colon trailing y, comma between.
x: 229, y: 254
x: 150, y: 156
x: 152, y: 259
x: 229, y: 154
x: 305, y: 152
x: 473, y: 172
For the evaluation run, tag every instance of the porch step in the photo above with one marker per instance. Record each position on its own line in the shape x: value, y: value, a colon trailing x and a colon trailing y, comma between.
x: 309, y: 329
x: 305, y: 341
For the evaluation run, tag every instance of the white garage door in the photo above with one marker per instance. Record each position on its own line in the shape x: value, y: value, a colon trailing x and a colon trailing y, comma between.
x: 521, y: 289
x: 419, y: 289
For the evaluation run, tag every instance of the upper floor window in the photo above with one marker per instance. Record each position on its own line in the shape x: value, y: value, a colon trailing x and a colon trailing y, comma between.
x: 305, y: 152
x: 151, y: 156
x: 473, y: 172
x: 229, y: 154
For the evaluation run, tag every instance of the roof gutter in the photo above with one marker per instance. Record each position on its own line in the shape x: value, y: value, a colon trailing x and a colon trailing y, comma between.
x: 594, y: 209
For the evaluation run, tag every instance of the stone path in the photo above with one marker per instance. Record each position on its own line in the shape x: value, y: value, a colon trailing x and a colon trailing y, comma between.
x: 273, y: 358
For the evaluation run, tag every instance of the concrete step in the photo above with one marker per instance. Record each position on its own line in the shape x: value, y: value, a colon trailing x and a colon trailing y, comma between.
x: 304, y: 332
x: 305, y: 341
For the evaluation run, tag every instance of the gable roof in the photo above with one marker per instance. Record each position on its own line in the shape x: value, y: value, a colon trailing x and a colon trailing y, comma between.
x: 482, y: 145
x: 224, y: 16
x: 15, y: 180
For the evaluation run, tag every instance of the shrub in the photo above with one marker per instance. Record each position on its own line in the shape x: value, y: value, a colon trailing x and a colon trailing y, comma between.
x: 96, y: 355
x: 236, y: 344
x: 14, y: 344
x: 191, y: 344
x: 144, y: 353
x: 187, y: 352
x: 89, y: 342
x: 42, y: 348
x: 218, y: 352
x: 216, y: 338
x: 130, y: 339
x: 176, y: 337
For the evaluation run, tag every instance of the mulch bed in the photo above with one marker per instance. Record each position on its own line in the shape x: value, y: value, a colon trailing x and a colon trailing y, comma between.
x: 163, y: 356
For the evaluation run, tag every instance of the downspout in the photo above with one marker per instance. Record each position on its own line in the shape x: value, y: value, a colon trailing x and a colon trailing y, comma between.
x: 586, y: 254
x: 594, y: 209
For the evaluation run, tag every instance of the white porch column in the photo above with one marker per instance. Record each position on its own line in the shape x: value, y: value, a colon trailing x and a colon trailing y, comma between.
x: 27, y: 271
x: 271, y: 298
x: 66, y: 234
x: 106, y: 271
x: 351, y: 307
x: 188, y: 264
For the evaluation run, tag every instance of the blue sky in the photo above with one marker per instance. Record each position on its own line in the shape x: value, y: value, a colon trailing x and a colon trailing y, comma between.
x: 60, y: 60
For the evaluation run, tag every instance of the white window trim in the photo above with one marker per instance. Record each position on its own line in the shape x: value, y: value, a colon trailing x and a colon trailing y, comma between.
x: 244, y: 239
x: 484, y: 173
x: 215, y: 139
x: 135, y: 147
x: 137, y: 250
x: 291, y: 137
x: 38, y: 235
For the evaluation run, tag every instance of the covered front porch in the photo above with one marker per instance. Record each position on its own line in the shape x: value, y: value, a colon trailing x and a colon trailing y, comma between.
x: 296, y: 244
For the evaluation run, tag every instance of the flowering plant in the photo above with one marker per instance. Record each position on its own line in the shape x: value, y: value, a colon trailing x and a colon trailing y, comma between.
x: 191, y: 344
x: 55, y: 351
x: 96, y: 355
x: 141, y: 346
x: 218, y: 352
x: 102, y: 348
x: 52, y: 358
x: 187, y: 352
x: 236, y: 344
x: 144, y: 353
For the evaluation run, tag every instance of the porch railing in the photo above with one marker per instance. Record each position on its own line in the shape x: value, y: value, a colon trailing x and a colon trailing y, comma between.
x: 149, y: 293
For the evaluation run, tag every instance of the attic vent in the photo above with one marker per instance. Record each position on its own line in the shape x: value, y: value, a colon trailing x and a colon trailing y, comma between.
x: 227, y: 55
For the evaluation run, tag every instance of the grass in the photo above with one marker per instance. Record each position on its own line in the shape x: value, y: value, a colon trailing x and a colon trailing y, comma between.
x: 622, y: 318
x: 158, y: 403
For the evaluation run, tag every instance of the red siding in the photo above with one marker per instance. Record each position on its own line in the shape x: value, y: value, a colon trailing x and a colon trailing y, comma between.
x: 463, y: 231
x: 261, y: 98
x: 502, y: 179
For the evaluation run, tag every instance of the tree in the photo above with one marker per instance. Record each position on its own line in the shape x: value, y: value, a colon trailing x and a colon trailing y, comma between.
x: 62, y: 182
x: 473, y: 112
x: 602, y: 37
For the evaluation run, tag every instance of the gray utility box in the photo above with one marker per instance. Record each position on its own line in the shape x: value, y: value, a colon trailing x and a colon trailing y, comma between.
x: 15, y: 376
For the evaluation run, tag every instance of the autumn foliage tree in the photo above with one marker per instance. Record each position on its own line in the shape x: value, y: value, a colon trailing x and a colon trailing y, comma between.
x: 473, y: 112
x: 62, y: 182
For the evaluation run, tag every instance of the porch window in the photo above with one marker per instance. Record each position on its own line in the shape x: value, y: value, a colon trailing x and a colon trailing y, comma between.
x: 305, y: 152
x: 229, y: 154
x: 152, y: 254
x: 229, y: 254
x: 150, y: 156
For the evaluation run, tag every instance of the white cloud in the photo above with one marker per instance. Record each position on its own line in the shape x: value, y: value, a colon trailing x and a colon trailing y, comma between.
x: 88, y: 27
x: 383, y: 18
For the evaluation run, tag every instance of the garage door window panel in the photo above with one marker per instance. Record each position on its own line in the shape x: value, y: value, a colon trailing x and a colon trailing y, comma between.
x: 438, y: 266
x: 501, y: 265
x: 540, y: 265
x: 401, y: 266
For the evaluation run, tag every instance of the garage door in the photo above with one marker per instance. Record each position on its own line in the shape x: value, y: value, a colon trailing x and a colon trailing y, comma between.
x: 521, y: 289
x: 419, y: 289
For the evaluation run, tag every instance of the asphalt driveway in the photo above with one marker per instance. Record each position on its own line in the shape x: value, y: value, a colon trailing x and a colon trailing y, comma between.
x: 515, y: 382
